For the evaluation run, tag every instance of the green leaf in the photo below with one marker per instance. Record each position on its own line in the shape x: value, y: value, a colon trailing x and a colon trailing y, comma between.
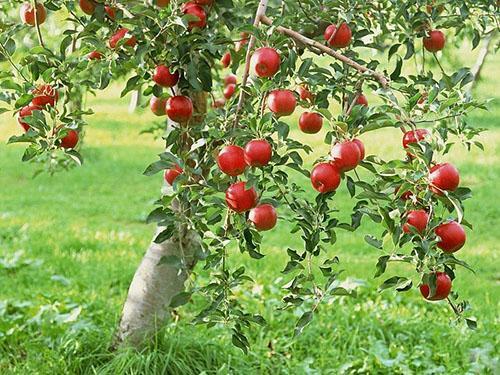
x: 303, y: 321
x: 180, y: 299
x: 373, y: 241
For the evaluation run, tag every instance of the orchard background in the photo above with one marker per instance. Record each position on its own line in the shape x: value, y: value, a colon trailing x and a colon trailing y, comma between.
x: 70, y: 244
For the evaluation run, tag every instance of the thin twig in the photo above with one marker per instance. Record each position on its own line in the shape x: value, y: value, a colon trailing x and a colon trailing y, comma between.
x: 37, y: 26
x: 12, y: 63
x: 358, y: 87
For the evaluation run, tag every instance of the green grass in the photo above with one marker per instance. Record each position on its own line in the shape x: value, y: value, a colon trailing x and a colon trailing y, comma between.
x: 80, y: 235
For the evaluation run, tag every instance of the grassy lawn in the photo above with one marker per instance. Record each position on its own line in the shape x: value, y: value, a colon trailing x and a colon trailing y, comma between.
x: 69, y: 245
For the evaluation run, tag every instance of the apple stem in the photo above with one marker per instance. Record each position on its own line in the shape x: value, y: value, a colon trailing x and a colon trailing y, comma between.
x: 37, y: 26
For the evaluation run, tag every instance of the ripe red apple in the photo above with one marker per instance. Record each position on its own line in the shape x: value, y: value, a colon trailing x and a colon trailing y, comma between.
x: 242, y: 42
x: 157, y: 106
x: 218, y: 103
x: 45, y: 95
x: 443, y: 288
x: 27, y: 14
x: 231, y: 160
x: 164, y: 78
x: 452, y: 236
x: 25, y: 112
x: 444, y: 177
x: 263, y: 217
x: 162, y: 3
x: 179, y: 108
x: 258, y: 153
x: 361, y: 148
x: 230, y: 79
x: 226, y: 60
x: 265, y: 62
x: 405, y: 196
x: 435, y: 41
x: 361, y: 100
x: 119, y: 35
x: 110, y: 11
x: 88, y: 6
x: 304, y: 93
x: 70, y: 140
x: 310, y: 122
x: 240, y: 199
x: 417, y: 219
x: 94, y: 55
x: 229, y: 90
x: 346, y: 155
x: 171, y: 174
x: 325, y: 177
x: 197, y: 11
x: 342, y: 37
x: 282, y: 102
x: 414, y: 136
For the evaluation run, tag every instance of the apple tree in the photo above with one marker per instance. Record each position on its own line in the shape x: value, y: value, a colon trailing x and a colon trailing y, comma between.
x: 225, y: 74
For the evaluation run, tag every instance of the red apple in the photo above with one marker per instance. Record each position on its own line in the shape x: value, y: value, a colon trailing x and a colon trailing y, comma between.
x: 325, y: 177
x: 452, y: 236
x: 263, y: 217
x: 265, y: 62
x: 434, y: 41
x: 304, y: 93
x: 240, y: 199
x: 94, y: 55
x: 110, y: 11
x: 179, y: 108
x: 119, y: 35
x: 443, y: 288
x: 417, y: 219
x: 405, y: 196
x: 162, y: 3
x: 310, y: 122
x: 361, y: 148
x: 346, y: 155
x: 241, y: 43
x: 229, y: 90
x: 258, y: 153
x: 218, y: 103
x: 342, y: 37
x: 88, y: 6
x: 171, y: 174
x: 282, y: 102
x: 444, y: 177
x: 226, y: 60
x: 164, y: 78
x: 231, y: 160
x: 25, y: 112
x: 197, y: 11
x: 45, y: 95
x: 414, y: 136
x: 70, y: 140
x: 157, y: 106
x: 230, y: 79
x: 361, y: 100
x: 27, y: 14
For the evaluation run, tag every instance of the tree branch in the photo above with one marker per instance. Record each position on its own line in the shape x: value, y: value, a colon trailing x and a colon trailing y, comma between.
x: 382, y: 79
x: 37, y: 26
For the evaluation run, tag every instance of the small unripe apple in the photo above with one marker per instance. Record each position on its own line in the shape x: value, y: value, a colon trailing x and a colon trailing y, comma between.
x: 361, y: 100
x: 304, y: 93
x: 94, y: 55
x: 88, y: 6
x: 282, y: 102
x: 110, y: 11
x: 435, y: 41
x: 171, y: 174
x: 310, y: 122
x: 164, y: 78
x: 361, y: 148
x: 258, y: 153
x: 452, y: 236
x: 414, y: 136
x: 161, y: 3
x: 229, y: 90
x: 45, y: 95
x: 157, y: 106
x: 197, y: 11
x: 417, y: 219
x: 443, y: 288
x: 27, y: 14
x: 325, y: 178
x: 119, y: 35
x: 265, y: 62
x: 444, y: 177
x: 263, y: 217
x: 70, y: 140
x: 25, y: 112
x: 179, y: 108
x: 240, y: 199
x: 226, y: 60
x: 231, y: 160
x: 346, y: 155
x: 342, y: 37
x: 230, y: 79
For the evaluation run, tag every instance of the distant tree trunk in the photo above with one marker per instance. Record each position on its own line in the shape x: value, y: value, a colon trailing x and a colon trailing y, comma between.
x: 135, y: 100
x: 481, y: 59
x: 153, y: 286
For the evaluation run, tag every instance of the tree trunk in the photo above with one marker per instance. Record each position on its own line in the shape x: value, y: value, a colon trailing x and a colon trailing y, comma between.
x: 481, y: 59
